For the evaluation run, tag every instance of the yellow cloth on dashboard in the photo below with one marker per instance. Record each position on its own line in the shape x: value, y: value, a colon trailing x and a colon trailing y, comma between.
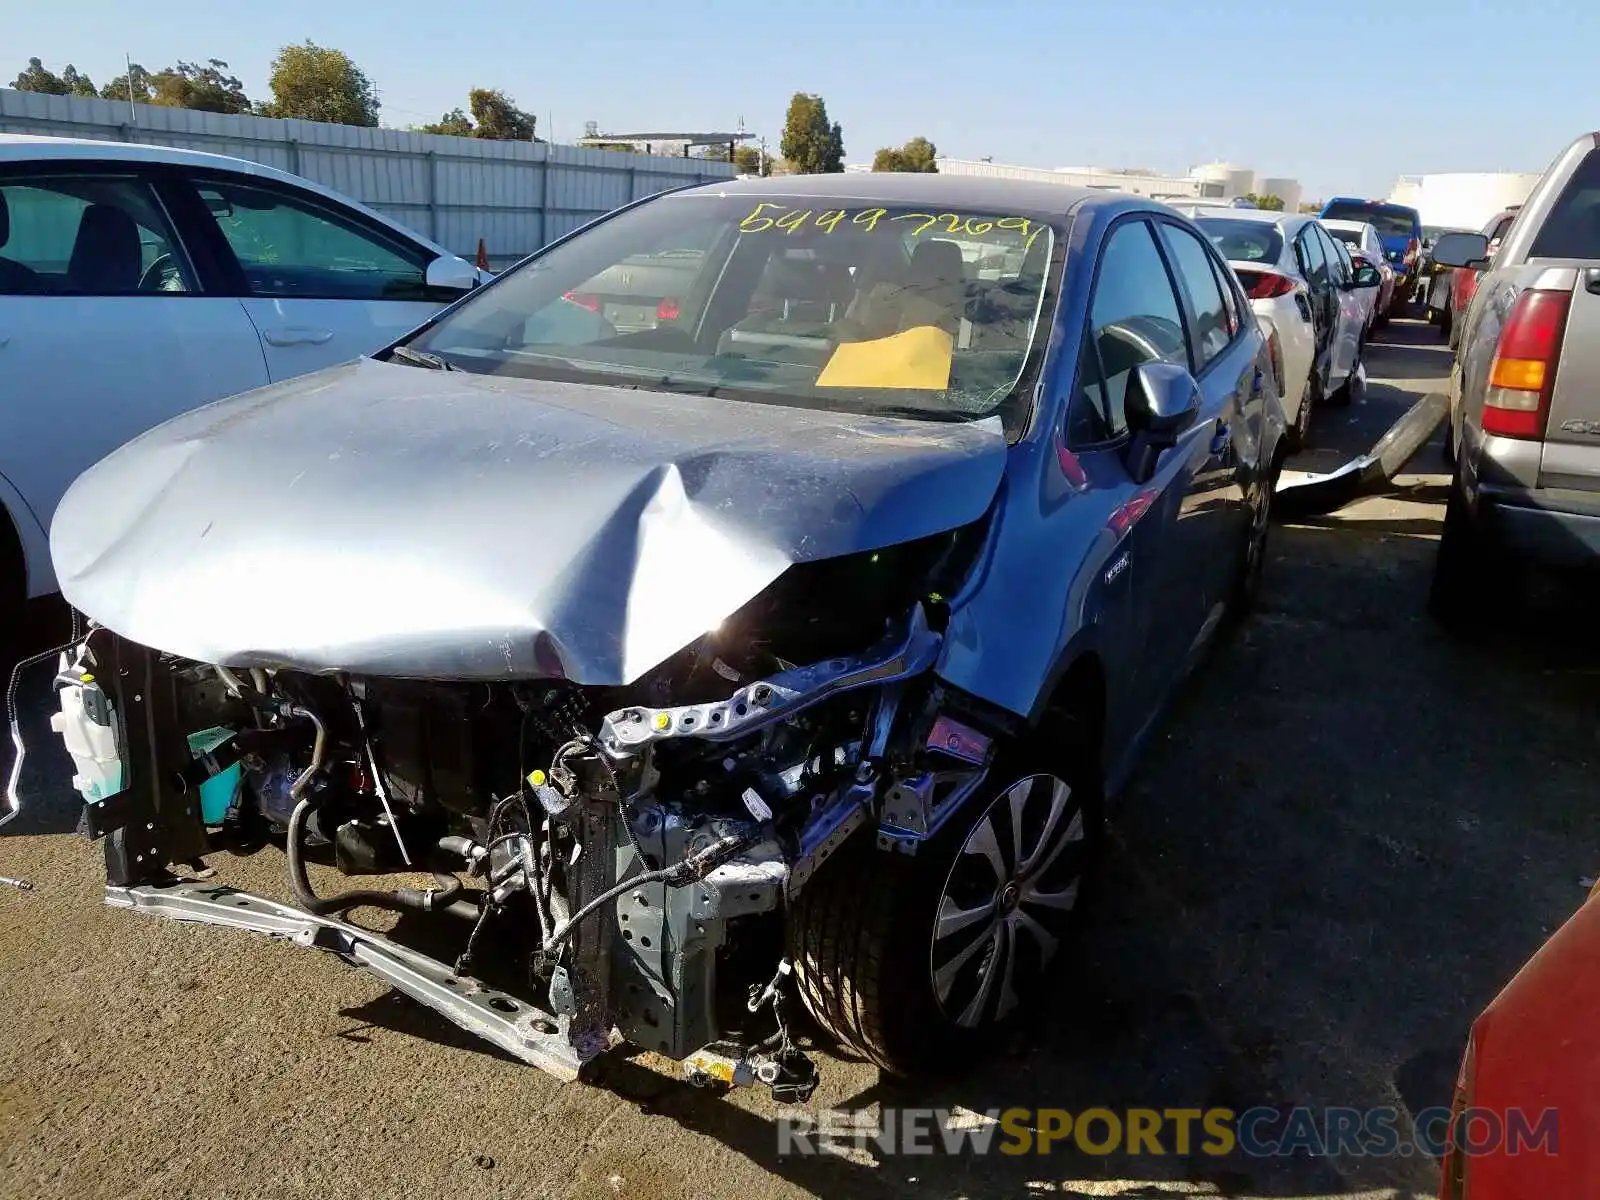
x: 918, y: 358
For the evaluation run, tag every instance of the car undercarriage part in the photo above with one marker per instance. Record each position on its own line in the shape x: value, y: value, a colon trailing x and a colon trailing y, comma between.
x: 629, y: 854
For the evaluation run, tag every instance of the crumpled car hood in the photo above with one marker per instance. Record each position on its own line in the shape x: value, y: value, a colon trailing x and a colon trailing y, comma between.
x: 391, y: 520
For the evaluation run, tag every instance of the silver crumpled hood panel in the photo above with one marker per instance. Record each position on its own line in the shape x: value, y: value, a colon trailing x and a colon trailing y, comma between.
x: 392, y: 520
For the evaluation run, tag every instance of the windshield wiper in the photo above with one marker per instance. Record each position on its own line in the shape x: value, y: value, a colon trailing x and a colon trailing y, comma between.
x: 419, y: 358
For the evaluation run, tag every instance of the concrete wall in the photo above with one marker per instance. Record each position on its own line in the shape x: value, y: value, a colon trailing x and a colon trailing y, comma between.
x: 516, y: 196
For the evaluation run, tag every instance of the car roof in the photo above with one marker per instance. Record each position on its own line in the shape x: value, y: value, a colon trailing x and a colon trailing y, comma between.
x: 1023, y: 196
x: 1343, y: 223
x: 1288, y: 223
x: 28, y: 147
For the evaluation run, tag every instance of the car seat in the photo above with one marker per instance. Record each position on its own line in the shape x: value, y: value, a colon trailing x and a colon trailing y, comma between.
x: 105, y: 256
x: 14, y: 277
x: 932, y: 291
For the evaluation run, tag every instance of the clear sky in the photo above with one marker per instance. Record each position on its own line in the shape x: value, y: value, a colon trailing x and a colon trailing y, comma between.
x: 1342, y: 96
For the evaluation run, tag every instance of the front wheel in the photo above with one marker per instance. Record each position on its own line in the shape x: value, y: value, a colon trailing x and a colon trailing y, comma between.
x: 920, y: 962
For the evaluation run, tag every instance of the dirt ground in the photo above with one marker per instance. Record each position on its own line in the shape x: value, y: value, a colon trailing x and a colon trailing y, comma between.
x: 1348, y: 834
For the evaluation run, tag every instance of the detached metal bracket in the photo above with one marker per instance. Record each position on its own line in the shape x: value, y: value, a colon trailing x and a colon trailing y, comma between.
x: 518, y: 1028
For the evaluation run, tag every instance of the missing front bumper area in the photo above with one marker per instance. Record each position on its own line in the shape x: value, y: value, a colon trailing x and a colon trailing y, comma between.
x: 522, y: 1031
x: 652, y: 862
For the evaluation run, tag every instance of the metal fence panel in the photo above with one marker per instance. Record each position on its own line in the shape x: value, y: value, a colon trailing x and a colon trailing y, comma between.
x: 516, y: 196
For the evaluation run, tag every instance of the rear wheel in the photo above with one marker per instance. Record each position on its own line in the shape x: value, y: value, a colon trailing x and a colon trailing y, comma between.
x: 920, y: 962
x: 1247, y: 583
x: 1298, y: 435
x: 1346, y: 392
x: 1446, y: 322
x: 1474, y: 579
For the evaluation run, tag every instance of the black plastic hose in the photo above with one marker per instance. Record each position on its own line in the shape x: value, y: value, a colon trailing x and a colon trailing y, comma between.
x: 401, y: 898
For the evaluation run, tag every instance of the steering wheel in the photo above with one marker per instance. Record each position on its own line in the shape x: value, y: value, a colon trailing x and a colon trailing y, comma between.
x: 157, y: 273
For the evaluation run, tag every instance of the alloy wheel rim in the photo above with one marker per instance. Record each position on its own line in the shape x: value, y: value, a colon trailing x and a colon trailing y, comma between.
x: 1260, y: 518
x: 1007, y: 900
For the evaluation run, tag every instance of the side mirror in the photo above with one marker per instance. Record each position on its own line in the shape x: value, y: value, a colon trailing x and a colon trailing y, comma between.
x: 1469, y: 250
x: 1162, y: 401
x: 452, y: 274
x: 1366, y: 277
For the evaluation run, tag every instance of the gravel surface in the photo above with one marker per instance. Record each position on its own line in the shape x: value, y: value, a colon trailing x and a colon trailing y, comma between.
x: 1349, y: 832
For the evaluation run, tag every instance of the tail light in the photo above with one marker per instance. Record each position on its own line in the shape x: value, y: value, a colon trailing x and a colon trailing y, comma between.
x: 1259, y: 285
x: 1522, y: 376
x: 584, y: 300
x: 668, y: 309
x: 1359, y: 261
x: 1275, y: 349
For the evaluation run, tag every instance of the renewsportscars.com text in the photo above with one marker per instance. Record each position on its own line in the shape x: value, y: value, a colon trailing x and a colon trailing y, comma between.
x: 1262, y: 1132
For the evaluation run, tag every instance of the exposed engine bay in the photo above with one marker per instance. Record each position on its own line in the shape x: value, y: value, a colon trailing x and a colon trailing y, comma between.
x: 617, y: 861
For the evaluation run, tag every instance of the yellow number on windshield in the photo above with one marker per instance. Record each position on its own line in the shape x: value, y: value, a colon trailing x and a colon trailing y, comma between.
x: 794, y: 221
x: 755, y: 222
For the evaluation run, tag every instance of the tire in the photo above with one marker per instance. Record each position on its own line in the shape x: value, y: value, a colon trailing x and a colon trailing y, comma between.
x: 1341, y: 396
x: 1447, y: 322
x: 1474, y: 580
x: 871, y: 966
x: 1298, y: 436
x: 1253, y: 557
x: 1448, y: 451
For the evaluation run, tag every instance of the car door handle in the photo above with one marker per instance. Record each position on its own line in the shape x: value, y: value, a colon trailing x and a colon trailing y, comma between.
x: 298, y: 335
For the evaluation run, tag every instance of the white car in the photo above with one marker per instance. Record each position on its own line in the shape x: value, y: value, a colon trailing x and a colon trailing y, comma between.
x: 1366, y: 249
x: 138, y: 282
x: 1307, y: 295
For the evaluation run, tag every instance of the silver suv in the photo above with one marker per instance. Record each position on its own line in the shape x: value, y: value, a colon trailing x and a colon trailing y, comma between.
x: 1525, y: 397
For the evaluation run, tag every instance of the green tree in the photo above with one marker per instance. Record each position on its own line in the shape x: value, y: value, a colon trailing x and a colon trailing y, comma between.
x: 498, y: 117
x: 1311, y: 207
x: 39, y: 78
x: 749, y: 162
x: 317, y: 83
x: 78, y: 84
x: 1269, y: 202
x: 812, y: 144
x: 454, y: 123
x: 207, y: 88
x: 917, y: 155
x: 118, y: 88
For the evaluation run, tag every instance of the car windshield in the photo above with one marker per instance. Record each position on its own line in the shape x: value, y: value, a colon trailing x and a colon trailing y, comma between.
x: 1350, y: 237
x: 853, y: 305
x: 1389, y: 221
x: 1243, y: 241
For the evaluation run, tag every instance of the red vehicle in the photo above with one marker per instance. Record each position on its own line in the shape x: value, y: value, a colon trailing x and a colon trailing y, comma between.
x: 1463, y: 283
x: 1531, y: 1063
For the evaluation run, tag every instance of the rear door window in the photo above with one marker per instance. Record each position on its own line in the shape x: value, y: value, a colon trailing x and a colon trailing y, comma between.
x: 1134, y: 318
x: 1313, y: 262
x: 1572, y: 230
x: 1193, y: 263
x: 80, y: 234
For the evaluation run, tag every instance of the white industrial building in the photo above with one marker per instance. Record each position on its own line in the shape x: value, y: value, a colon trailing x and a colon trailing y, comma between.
x: 1213, y: 181
x: 1462, y: 199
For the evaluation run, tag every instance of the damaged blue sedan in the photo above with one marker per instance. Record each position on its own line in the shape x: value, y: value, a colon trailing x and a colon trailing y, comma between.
x: 750, y: 598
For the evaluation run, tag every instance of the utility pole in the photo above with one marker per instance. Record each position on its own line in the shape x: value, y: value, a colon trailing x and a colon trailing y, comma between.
x: 133, y: 113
